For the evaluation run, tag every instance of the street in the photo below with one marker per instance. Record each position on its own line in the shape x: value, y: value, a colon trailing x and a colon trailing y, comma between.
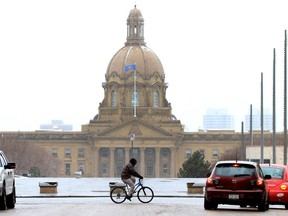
x: 104, y: 206
x: 90, y: 196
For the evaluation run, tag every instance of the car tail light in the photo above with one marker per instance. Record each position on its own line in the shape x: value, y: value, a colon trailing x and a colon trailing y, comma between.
x: 258, y: 182
x: 211, y: 181
x: 283, y: 187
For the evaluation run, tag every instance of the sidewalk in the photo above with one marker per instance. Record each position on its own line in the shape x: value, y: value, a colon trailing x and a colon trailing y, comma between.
x: 99, y: 187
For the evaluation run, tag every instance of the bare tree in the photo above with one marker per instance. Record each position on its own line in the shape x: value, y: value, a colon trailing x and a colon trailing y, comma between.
x: 231, y: 154
x: 28, y: 156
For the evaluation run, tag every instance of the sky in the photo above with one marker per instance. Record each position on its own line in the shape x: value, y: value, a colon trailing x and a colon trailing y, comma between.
x: 54, y: 55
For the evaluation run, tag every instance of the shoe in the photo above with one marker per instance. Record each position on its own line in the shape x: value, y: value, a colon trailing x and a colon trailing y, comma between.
x: 128, y: 197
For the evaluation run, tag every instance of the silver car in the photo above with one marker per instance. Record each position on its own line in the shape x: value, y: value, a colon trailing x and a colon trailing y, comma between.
x: 7, y: 183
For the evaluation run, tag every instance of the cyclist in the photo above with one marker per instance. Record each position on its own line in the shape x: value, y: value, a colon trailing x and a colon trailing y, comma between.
x: 126, y: 176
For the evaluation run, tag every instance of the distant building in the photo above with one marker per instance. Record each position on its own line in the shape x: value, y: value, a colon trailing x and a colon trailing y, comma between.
x: 56, y: 125
x: 218, y: 119
x: 256, y: 120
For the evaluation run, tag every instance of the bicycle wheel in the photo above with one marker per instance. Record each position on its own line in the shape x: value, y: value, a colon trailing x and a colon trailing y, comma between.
x: 118, y: 195
x: 145, y: 194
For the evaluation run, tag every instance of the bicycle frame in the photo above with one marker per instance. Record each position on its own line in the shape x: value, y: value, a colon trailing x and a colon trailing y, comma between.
x: 144, y: 194
x: 137, y: 185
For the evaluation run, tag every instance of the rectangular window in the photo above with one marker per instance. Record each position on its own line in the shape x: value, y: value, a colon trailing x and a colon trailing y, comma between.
x: 165, y: 169
x: 215, y: 153
x: 67, y: 153
x: 81, y: 153
x: 119, y: 167
x: 67, y: 169
x: 202, y: 152
x: 119, y: 153
x: 134, y: 152
x: 150, y: 170
x: 81, y: 168
x: 104, y: 152
x: 104, y: 169
x: 188, y: 153
x: 54, y: 152
x: 165, y: 152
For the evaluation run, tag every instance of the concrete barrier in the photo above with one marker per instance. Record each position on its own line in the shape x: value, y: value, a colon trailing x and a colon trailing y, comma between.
x: 48, y: 187
x: 194, y: 188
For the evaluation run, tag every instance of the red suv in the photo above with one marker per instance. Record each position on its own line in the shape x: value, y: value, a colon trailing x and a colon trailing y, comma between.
x: 278, y: 184
x: 236, y: 183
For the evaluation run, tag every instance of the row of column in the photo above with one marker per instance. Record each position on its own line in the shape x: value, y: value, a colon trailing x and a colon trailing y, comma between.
x: 141, y: 161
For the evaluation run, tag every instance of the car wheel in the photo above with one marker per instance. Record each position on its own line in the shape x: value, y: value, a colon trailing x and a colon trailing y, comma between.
x: 267, y: 204
x: 286, y: 206
x: 3, y: 204
x: 262, y: 206
x: 210, y: 205
x: 11, y: 199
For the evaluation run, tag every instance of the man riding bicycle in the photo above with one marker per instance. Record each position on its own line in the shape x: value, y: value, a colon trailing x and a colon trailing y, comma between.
x: 126, y: 176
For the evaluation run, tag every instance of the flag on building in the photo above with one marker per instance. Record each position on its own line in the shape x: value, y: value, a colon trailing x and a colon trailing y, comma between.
x: 130, y: 67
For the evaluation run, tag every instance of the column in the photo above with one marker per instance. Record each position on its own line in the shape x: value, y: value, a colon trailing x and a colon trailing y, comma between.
x: 111, y: 164
x: 95, y: 159
x: 157, y: 162
x: 173, y: 173
x: 142, y: 161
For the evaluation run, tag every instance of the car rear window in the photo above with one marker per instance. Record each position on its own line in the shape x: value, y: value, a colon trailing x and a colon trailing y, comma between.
x: 275, y: 172
x: 235, y: 170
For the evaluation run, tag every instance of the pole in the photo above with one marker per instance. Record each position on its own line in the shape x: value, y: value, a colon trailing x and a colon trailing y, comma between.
x: 262, y: 136
x: 274, y: 108
x: 285, y: 100
x: 251, y: 125
x: 135, y: 93
x: 242, y: 142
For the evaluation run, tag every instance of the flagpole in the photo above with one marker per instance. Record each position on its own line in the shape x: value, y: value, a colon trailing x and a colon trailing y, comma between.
x: 135, y: 94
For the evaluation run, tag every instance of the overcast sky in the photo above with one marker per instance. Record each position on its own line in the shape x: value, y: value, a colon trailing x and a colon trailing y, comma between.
x: 54, y: 55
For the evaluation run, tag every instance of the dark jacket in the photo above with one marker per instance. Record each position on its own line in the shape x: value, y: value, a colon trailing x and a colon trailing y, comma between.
x: 129, y: 171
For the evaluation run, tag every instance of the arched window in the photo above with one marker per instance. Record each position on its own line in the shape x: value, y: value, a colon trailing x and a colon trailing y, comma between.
x: 135, y: 99
x: 156, y: 98
x: 114, y: 98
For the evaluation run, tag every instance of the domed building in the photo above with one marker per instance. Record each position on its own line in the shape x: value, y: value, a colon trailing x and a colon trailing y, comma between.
x: 134, y: 118
x: 140, y: 92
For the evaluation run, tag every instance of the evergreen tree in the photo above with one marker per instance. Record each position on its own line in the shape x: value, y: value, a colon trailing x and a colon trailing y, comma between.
x: 195, y: 167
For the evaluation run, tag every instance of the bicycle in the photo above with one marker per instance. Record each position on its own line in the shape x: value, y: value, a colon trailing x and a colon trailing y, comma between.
x: 144, y: 194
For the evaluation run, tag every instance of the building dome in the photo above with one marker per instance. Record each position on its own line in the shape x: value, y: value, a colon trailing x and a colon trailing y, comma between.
x: 147, y: 62
x: 135, y: 80
x: 135, y: 51
x: 135, y: 13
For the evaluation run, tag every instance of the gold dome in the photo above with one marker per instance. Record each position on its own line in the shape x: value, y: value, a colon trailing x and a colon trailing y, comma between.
x: 147, y: 62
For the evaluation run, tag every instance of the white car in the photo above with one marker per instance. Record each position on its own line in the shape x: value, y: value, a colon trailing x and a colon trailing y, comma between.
x: 7, y: 183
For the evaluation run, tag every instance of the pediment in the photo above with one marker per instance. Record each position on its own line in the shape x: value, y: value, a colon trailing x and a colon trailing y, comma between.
x: 135, y: 126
